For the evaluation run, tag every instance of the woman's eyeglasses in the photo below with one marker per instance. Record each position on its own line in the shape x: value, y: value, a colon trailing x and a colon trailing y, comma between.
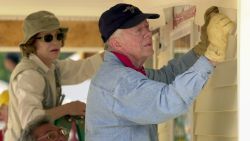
x: 49, y: 37
x: 53, y: 135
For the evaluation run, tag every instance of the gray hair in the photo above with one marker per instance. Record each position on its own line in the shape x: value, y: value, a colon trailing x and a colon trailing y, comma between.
x: 106, y: 46
x: 27, y: 133
x: 117, y: 33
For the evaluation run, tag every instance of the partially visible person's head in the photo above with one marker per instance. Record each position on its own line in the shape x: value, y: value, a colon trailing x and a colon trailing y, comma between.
x: 42, y: 129
x: 4, y: 102
x: 125, y: 29
x: 43, y: 35
x: 11, y: 60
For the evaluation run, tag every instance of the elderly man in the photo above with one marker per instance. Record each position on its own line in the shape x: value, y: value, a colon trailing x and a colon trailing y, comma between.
x: 42, y: 129
x: 123, y: 103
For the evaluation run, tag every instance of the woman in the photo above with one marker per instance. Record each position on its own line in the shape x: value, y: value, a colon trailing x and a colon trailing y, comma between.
x: 35, y: 83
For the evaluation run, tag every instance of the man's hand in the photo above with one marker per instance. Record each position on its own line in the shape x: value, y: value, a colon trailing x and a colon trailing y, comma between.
x: 218, y: 29
x: 201, y: 47
x: 75, y: 108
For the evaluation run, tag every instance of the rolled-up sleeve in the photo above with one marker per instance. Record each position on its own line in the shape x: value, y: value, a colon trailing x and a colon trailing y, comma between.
x: 29, y: 87
x: 148, y: 102
x: 176, y: 66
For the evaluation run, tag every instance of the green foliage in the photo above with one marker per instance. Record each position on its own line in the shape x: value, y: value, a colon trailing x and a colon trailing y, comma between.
x: 4, y: 73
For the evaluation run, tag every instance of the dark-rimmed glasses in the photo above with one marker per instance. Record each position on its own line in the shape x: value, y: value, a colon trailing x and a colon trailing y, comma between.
x: 53, y: 135
x: 49, y: 37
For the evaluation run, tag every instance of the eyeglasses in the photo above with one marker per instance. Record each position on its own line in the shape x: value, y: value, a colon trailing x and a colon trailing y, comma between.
x: 49, y: 37
x: 53, y: 135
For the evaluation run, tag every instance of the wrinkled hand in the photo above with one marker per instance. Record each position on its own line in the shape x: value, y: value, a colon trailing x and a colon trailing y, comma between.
x: 201, y: 47
x: 218, y: 29
x: 76, y: 108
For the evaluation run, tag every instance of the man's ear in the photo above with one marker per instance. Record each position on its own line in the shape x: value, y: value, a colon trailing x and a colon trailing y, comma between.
x: 114, y: 42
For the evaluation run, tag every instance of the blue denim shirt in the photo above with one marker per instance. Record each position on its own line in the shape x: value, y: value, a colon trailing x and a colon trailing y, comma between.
x: 124, y: 105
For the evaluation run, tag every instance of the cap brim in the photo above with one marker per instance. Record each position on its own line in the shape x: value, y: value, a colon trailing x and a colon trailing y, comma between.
x: 138, y: 19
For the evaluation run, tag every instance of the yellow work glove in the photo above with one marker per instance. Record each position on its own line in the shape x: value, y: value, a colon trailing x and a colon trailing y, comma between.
x: 218, y: 29
x: 201, y: 47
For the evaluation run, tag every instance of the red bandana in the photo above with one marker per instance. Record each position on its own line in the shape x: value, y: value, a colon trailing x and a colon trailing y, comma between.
x: 125, y: 60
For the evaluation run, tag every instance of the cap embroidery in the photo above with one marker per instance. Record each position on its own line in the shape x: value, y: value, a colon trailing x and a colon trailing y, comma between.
x: 129, y: 8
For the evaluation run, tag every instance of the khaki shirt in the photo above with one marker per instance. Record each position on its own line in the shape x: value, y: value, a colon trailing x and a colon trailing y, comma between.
x: 27, y: 89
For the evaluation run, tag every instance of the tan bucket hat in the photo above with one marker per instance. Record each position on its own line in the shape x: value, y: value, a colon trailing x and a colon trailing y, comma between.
x: 39, y: 22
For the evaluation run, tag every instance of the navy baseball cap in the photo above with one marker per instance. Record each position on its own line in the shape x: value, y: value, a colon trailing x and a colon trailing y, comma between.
x: 121, y: 16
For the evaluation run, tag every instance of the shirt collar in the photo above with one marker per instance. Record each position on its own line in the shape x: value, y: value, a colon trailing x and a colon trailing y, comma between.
x: 127, y: 62
x: 40, y: 63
